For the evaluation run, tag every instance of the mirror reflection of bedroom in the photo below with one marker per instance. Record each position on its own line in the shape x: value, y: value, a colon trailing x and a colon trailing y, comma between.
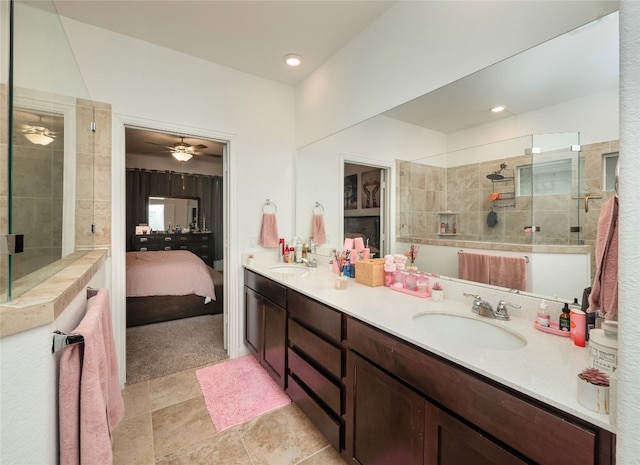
x: 174, y: 274
x: 365, y: 203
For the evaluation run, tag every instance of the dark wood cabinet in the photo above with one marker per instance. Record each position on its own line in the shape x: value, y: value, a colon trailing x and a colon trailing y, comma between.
x: 316, y: 364
x: 200, y: 244
x: 468, y: 419
x: 266, y: 323
x: 385, y: 423
x: 381, y: 400
x: 449, y: 441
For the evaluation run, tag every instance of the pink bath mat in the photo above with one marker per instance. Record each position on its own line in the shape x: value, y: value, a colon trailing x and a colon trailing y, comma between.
x: 239, y: 390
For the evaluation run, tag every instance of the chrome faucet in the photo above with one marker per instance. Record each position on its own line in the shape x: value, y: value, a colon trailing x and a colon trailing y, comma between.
x: 310, y: 263
x: 501, y: 312
x: 484, y: 308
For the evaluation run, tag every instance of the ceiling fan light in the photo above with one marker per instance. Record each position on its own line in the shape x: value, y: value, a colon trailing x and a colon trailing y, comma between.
x: 38, y: 135
x: 39, y: 139
x: 293, y: 60
x: 181, y: 156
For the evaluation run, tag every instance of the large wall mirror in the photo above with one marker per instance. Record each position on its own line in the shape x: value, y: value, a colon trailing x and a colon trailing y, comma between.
x: 545, y: 93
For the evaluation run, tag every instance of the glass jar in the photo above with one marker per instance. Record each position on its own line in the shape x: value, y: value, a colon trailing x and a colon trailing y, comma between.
x: 410, y: 280
x: 422, y: 284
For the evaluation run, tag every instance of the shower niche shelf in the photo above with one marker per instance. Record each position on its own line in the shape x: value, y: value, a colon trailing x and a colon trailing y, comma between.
x: 504, y: 191
x: 447, y: 223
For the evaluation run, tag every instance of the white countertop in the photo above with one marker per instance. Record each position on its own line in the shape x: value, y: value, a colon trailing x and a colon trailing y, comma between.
x: 545, y: 369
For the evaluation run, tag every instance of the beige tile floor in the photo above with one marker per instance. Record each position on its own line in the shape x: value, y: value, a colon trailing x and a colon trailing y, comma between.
x: 166, y: 423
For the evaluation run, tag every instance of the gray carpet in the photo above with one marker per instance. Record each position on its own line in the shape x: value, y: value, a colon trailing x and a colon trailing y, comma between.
x: 169, y: 347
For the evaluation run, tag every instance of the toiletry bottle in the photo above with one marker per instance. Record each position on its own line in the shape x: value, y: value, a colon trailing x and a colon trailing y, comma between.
x: 543, y: 314
x: 298, y: 252
x: 441, y: 228
x: 565, y: 319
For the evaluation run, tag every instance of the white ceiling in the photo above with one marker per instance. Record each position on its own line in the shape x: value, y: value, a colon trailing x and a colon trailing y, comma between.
x: 253, y: 36
x: 249, y: 36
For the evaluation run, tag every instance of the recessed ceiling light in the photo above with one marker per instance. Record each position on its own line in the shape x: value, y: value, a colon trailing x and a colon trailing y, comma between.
x: 293, y: 60
x: 498, y: 109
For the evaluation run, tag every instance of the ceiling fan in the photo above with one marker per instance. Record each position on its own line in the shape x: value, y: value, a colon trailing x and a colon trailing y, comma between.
x: 182, y: 151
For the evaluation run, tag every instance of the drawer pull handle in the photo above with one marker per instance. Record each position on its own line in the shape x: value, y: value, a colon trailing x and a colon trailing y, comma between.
x: 143, y: 239
x: 143, y: 249
x: 167, y: 247
x: 183, y: 247
x: 168, y: 239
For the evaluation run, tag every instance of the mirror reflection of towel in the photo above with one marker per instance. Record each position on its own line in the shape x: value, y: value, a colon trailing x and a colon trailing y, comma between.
x: 604, y: 291
x: 492, y: 219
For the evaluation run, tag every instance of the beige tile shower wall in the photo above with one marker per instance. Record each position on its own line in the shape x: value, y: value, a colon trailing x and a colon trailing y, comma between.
x: 93, y: 175
x: 424, y: 190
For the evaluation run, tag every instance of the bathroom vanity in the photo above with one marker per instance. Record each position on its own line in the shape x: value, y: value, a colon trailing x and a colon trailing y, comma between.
x: 384, y: 389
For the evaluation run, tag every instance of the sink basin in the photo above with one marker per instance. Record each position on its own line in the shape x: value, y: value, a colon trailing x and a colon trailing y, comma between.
x: 289, y: 269
x: 468, y: 331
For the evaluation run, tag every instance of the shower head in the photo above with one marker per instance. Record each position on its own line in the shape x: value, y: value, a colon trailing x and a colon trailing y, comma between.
x: 497, y: 175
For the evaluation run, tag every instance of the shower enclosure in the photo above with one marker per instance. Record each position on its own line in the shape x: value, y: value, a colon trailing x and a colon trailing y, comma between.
x: 47, y: 161
x: 527, y: 190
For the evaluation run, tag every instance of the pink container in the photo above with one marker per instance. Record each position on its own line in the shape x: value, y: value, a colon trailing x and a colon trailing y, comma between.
x: 578, y: 327
x: 358, y: 244
x: 348, y: 244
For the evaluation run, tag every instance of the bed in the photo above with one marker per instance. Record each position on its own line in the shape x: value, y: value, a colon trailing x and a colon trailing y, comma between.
x: 168, y: 285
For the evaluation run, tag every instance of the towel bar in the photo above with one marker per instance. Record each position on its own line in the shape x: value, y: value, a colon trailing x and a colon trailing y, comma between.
x: 62, y: 340
x: 526, y: 257
x: 269, y: 203
x: 317, y: 205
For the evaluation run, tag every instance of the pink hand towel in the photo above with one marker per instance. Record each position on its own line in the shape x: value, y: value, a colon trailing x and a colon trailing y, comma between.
x: 604, y: 291
x: 473, y: 267
x: 90, y: 401
x: 317, y: 229
x: 509, y: 272
x: 268, y: 231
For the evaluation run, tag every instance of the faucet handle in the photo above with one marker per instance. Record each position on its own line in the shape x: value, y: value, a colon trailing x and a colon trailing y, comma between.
x: 475, y: 296
x: 501, y: 309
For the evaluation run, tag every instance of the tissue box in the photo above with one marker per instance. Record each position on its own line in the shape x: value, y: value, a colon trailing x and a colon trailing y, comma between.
x: 370, y: 272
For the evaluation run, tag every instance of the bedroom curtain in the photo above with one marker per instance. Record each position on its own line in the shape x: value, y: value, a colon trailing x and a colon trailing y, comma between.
x: 140, y: 184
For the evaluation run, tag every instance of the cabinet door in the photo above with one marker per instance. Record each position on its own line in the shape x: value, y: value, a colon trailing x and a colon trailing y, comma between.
x: 448, y: 441
x: 253, y: 320
x: 385, y: 419
x: 275, y: 324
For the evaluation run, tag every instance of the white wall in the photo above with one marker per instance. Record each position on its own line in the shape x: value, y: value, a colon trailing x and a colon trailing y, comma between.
x: 320, y: 166
x: 146, y: 82
x: 417, y: 47
x: 628, y: 441
x: 29, y: 385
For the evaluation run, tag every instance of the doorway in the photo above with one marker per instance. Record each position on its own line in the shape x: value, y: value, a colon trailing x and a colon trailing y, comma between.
x: 366, y: 205
x: 177, y: 167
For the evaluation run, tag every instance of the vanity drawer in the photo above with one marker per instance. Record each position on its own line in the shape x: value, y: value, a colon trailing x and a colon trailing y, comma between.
x: 315, y: 315
x: 323, y: 353
x: 319, y: 384
x: 273, y: 291
x: 329, y: 426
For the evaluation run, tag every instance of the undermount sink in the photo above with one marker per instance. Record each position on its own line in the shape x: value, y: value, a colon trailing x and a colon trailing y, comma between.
x: 468, y: 331
x: 289, y: 269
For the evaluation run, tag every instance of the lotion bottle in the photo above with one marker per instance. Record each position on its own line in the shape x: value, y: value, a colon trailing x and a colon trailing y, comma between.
x: 543, y: 315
